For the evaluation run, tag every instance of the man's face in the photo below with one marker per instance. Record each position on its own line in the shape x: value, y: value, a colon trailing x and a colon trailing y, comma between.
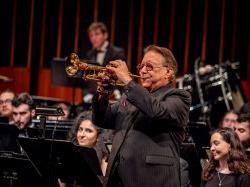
x: 5, y: 104
x: 97, y: 38
x: 229, y: 120
x: 152, y: 71
x: 243, y: 131
x: 22, y: 115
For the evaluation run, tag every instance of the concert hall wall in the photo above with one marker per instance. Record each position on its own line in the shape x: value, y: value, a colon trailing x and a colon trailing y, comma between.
x: 35, y: 31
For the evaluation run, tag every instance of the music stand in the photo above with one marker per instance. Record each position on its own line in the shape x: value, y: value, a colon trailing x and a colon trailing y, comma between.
x: 60, y: 78
x: 8, y: 136
x: 18, y: 170
x: 62, y: 159
x: 54, y: 129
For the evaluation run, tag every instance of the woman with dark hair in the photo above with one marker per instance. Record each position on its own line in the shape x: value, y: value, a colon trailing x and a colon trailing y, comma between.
x: 86, y: 134
x: 228, y: 164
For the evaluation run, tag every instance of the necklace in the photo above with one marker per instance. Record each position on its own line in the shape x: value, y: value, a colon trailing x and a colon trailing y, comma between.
x: 220, y: 180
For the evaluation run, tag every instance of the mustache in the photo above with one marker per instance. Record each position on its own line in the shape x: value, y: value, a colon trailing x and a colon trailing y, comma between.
x: 145, y: 77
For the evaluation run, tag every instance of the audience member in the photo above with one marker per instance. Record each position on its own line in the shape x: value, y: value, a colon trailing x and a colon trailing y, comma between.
x: 102, y: 51
x: 228, y: 164
x: 5, y: 104
x: 242, y: 128
x: 86, y: 134
x: 229, y: 119
x: 23, y: 111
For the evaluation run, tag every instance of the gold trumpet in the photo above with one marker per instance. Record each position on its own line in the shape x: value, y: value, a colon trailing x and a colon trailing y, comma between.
x: 90, y: 72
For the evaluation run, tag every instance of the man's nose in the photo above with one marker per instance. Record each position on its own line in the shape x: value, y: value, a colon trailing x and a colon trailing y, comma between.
x: 143, y: 69
x: 212, y: 148
x: 82, y: 133
x: 18, y: 117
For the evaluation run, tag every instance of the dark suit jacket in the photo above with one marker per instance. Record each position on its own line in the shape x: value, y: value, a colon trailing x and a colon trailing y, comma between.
x: 145, y: 152
x: 113, y: 53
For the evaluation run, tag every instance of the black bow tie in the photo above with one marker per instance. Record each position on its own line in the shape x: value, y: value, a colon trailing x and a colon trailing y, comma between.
x: 99, y: 51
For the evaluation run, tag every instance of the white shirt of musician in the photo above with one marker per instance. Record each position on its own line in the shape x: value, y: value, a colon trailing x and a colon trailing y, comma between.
x: 102, y: 52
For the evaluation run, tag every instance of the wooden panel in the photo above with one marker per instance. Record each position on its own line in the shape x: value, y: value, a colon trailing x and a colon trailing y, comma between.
x: 222, y: 30
x: 59, y: 32
x: 156, y: 22
x: 20, y: 76
x: 187, y: 38
x: 46, y: 88
x: 141, y: 32
x: 78, y: 13
x: 13, y: 36
x: 246, y: 87
x: 248, y: 60
x: 42, y: 37
x: 234, y: 28
x: 96, y: 8
x: 113, y: 22
x: 30, y: 34
x: 130, y: 34
x: 204, y: 35
x: 172, y: 24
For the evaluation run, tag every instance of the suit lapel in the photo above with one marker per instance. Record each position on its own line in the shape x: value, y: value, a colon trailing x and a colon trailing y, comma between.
x: 108, y: 55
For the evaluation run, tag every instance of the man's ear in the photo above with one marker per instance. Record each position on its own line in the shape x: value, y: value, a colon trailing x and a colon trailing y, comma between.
x: 169, y: 74
x: 106, y: 35
x: 33, y: 112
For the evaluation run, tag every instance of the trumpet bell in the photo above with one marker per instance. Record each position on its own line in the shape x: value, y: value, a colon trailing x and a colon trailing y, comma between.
x: 71, y: 70
x: 88, y: 70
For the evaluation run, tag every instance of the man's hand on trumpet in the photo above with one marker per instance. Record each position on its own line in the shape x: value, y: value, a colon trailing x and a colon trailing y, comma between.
x: 104, y: 86
x: 119, y: 69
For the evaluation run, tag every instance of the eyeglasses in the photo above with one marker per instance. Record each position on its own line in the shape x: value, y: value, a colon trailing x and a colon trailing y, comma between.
x: 229, y: 120
x: 149, y: 67
x: 7, y: 101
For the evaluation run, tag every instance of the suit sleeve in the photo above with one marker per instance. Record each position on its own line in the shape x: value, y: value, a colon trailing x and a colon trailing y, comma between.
x: 120, y: 54
x: 172, y: 107
x: 104, y: 113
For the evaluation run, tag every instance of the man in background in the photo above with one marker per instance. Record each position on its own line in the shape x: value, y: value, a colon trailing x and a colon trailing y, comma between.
x: 242, y: 128
x: 6, y: 108
x: 102, y: 51
x: 101, y: 54
x: 23, y: 111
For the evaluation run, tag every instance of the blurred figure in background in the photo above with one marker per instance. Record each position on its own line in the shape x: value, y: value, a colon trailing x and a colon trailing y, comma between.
x: 23, y: 111
x: 6, y: 108
x: 229, y: 119
x: 242, y: 128
x: 102, y: 51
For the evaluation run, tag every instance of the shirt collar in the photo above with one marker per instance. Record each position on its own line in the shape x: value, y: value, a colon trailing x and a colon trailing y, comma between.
x: 104, y: 46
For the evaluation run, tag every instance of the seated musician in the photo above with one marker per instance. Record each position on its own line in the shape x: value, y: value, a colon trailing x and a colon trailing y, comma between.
x: 86, y: 134
x: 242, y: 128
x: 23, y: 111
x: 228, y: 164
x: 6, y: 108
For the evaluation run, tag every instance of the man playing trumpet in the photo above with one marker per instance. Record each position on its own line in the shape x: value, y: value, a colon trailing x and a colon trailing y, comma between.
x: 150, y: 116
